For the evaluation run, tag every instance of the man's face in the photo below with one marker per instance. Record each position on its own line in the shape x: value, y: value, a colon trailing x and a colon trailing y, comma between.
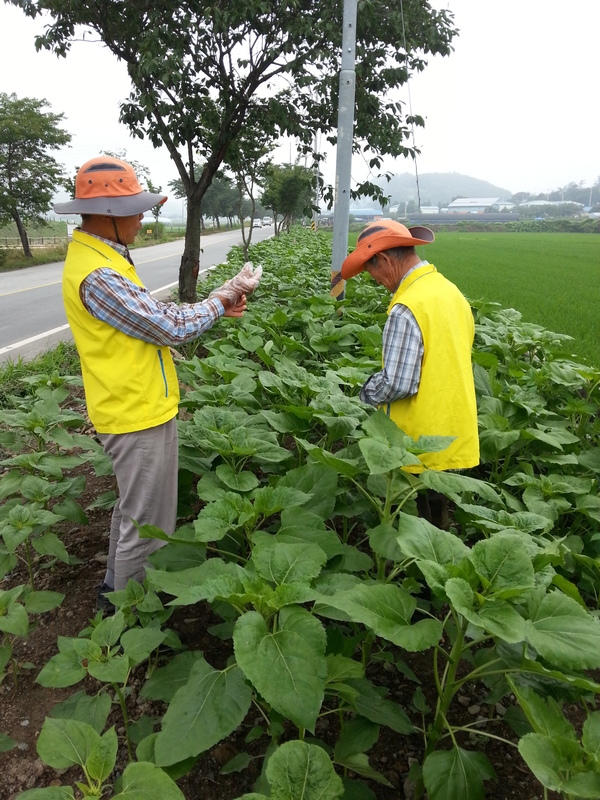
x: 385, y: 271
x: 128, y: 227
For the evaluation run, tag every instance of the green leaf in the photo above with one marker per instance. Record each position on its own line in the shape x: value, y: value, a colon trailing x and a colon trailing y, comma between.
x: 62, y: 670
x: 287, y: 666
x: 50, y: 793
x: 453, y: 485
x: 238, y: 481
x: 450, y: 774
x: 101, y: 760
x: 300, y: 771
x: 387, y: 609
x: 50, y: 545
x: 370, y: 704
x: 317, y: 480
x: 279, y: 562
x: 107, y: 632
x: 236, y: 764
x: 421, y: 540
x: 15, y: 620
x: 591, y: 734
x: 503, y: 564
x: 545, y: 716
x: 144, y: 781
x: 93, y: 710
x: 380, y: 457
x: 165, y: 681
x: 210, y: 706
x: 6, y: 743
x: 138, y: 643
x: 358, y: 736
x: 114, y: 670
x: 550, y: 760
x: 64, y: 742
x: 564, y: 634
x: 40, y: 602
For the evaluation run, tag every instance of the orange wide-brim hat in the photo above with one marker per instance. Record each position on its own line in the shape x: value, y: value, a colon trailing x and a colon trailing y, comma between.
x: 383, y: 235
x: 108, y: 186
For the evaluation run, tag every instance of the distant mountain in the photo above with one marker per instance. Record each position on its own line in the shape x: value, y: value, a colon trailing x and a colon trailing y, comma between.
x: 435, y: 188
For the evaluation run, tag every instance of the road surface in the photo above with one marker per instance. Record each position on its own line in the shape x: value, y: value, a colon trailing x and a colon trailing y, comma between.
x: 32, y: 317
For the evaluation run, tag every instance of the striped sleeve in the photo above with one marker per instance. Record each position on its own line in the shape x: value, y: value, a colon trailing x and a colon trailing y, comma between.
x: 402, y: 358
x: 132, y: 310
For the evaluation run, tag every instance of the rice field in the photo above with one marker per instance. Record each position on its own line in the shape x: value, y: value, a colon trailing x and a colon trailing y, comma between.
x: 553, y: 279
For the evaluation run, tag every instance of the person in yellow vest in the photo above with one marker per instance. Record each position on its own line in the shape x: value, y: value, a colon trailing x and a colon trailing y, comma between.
x: 426, y: 382
x: 123, y: 336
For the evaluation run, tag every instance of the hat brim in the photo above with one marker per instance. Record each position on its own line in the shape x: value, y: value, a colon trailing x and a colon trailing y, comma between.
x: 355, y: 262
x: 112, y: 206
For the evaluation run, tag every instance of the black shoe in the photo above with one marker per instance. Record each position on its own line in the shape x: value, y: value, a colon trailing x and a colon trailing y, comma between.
x: 102, y: 601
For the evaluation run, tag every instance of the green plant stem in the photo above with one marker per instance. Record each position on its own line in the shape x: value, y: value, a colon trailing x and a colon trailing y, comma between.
x: 123, y: 705
x: 29, y: 564
x: 469, y: 729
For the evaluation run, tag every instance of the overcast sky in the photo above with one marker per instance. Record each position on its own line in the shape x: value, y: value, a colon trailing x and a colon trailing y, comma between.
x: 516, y: 104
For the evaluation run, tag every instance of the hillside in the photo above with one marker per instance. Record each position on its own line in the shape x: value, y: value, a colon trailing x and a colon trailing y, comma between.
x: 436, y: 188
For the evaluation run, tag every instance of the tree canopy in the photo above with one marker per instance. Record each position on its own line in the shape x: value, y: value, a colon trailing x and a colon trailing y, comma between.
x: 29, y: 175
x: 202, y: 74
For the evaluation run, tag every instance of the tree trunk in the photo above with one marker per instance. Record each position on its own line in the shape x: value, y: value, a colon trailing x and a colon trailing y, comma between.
x: 22, y: 234
x: 190, y: 260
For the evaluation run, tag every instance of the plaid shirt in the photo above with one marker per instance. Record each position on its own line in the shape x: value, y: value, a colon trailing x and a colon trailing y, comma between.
x: 402, y: 358
x: 131, y: 309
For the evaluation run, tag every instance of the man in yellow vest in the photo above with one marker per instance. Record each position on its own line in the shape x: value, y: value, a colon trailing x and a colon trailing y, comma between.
x: 426, y: 382
x: 123, y: 337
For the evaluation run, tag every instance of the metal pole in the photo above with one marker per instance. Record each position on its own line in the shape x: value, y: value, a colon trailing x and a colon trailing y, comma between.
x: 343, y: 163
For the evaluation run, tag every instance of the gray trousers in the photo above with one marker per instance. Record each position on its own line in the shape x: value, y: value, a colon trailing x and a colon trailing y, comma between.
x: 145, y: 465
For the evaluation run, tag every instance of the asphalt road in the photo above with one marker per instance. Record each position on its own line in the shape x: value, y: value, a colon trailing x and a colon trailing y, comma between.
x: 32, y: 317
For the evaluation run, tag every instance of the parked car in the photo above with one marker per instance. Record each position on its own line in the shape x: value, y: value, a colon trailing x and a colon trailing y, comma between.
x: 256, y: 223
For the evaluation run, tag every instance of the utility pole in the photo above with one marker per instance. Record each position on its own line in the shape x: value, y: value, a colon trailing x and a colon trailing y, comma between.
x: 343, y: 163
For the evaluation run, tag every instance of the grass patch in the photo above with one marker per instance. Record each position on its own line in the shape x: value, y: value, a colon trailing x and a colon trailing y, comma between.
x: 552, y: 279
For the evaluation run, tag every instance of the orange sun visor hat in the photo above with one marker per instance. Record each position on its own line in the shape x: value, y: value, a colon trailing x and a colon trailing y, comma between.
x: 109, y: 186
x: 382, y: 235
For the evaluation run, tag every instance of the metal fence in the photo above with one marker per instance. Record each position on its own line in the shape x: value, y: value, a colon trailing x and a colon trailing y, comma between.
x: 13, y: 242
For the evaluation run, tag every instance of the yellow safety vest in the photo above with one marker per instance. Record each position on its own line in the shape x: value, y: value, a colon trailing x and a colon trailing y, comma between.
x: 444, y: 404
x: 130, y: 385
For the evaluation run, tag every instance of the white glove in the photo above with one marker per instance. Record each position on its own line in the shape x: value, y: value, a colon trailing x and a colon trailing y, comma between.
x: 245, y: 282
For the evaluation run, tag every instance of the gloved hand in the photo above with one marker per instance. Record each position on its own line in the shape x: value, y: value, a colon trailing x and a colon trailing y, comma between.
x: 245, y: 282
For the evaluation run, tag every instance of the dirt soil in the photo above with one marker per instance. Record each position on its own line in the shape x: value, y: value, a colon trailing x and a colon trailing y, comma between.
x: 25, y: 704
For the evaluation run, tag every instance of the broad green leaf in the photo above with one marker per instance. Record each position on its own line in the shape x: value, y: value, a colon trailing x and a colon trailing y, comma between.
x: 50, y: 545
x: 101, y: 760
x: 165, y: 681
x: 450, y: 774
x: 107, y: 632
x: 61, y: 670
x: 317, y: 480
x: 380, y: 457
x: 8, y: 561
x: 591, y: 734
x: 271, y: 499
x: 93, y: 710
x: 453, y: 485
x: 339, y: 668
x: 359, y: 763
x: 384, y: 541
x: 15, y: 620
x: 6, y: 743
x: 238, y: 481
x: 236, y: 764
x: 358, y: 736
x: 138, y: 643
x: 41, y: 601
x: 503, y: 564
x: 213, y: 578
x: 550, y: 760
x: 300, y: 771
x: 421, y: 540
x: 545, y: 716
x: 50, y: 793
x: 64, y: 742
x: 114, y: 670
x: 387, y: 609
x: 144, y: 781
x: 370, y: 704
x: 210, y: 706
x: 279, y: 562
x: 301, y: 527
x: 564, y: 634
x: 287, y: 666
